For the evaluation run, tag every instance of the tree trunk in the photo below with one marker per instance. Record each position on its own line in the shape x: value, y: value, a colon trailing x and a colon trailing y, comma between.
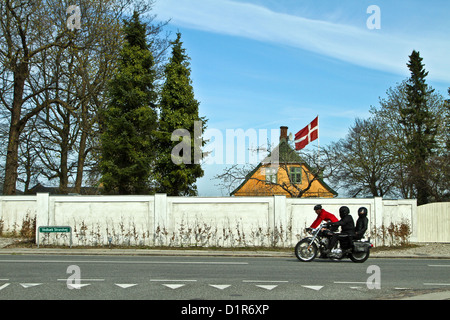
x: 16, y: 127
x: 82, y: 147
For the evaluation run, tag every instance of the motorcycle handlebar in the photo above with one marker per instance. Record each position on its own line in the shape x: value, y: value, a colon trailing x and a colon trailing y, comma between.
x: 322, y: 225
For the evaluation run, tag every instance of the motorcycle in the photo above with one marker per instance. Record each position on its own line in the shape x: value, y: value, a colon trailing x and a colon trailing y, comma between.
x: 308, y: 248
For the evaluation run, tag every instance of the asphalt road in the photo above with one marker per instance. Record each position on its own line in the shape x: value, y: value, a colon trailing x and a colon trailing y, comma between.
x: 215, y: 278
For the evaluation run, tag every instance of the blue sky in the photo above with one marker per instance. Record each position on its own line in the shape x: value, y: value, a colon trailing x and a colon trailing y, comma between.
x: 262, y: 64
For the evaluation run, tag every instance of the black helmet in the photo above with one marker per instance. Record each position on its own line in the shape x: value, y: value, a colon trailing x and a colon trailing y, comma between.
x: 343, y: 211
x: 362, y: 210
x: 318, y: 207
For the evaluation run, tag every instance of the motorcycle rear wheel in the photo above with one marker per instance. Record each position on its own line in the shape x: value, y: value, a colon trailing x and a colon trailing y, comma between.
x: 305, y: 251
x: 359, y: 257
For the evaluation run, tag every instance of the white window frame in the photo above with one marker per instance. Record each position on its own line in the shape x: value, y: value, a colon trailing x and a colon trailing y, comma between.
x: 271, y: 174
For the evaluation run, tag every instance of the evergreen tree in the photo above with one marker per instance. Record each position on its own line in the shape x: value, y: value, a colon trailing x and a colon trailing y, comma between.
x: 178, y: 110
x: 447, y: 123
x: 419, y: 126
x: 130, y: 119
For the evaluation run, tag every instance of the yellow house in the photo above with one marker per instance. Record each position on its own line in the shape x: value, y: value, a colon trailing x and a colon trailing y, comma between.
x: 290, y: 176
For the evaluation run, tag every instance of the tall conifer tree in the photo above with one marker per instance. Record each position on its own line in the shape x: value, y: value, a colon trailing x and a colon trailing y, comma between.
x: 178, y: 110
x: 419, y: 126
x: 130, y: 119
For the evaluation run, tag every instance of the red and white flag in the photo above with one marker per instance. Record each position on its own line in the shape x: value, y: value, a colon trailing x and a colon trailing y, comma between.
x: 307, y: 134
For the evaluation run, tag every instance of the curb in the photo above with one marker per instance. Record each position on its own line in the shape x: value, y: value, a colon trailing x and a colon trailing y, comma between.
x: 443, y: 295
x: 180, y: 252
x: 144, y: 252
x: 409, y: 257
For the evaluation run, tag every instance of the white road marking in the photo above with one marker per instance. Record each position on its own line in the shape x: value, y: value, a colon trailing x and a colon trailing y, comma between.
x: 317, y: 288
x: 437, y: 284
x: 78, y: 285
x: 126, y: 285
x: 262, y: 281
x: 220, y: 286
x: 82, y: 279
x: 29, y: 285
x: 267, y: 287
x: 349, y: 282
x: 439, y: 265
x: 4, y: 286
x: 173, y: 286
x: 165, y: 280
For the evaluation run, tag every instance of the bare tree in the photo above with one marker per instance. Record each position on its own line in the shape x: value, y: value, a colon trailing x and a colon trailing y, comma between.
x: 30, y: 169
x: 59, y: 76
x: 364, y: 162
x: 26, y: 30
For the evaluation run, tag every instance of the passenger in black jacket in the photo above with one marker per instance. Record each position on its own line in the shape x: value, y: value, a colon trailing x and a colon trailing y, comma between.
x: 347, y: 226
x: 361, y: 223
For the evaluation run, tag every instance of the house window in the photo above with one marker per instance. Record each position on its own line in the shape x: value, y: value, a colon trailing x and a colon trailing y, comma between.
x: 271, y: 175
x: 295, y: 175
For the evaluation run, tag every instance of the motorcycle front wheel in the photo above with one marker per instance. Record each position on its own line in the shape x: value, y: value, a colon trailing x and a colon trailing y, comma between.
x: 305, y: 250
x: 359, y: 257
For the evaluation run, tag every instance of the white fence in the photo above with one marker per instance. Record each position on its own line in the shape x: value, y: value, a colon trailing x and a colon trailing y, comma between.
x: 193, y: 221
x: 433, y: 222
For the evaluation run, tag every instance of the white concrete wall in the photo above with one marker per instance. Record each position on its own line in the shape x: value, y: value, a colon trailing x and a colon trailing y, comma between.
x: 185, y: 221
x: 128, y: 220
x: 14, y: 210
x: 219, y: 221
x: 433, y: 221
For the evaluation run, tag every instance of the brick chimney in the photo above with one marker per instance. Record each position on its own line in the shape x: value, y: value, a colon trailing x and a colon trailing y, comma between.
x: 283, y: 133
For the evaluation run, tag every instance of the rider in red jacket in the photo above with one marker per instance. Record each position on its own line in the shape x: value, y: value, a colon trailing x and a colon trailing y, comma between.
x: 322, y: 215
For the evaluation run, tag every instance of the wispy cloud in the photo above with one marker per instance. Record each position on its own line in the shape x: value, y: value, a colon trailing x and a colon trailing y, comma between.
x: 357, y: 45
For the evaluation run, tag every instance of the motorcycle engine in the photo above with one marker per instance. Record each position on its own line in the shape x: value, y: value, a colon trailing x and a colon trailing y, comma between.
x: 336, y: 253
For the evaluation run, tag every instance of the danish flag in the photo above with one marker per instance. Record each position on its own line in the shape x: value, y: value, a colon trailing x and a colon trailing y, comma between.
x: 307, y: 134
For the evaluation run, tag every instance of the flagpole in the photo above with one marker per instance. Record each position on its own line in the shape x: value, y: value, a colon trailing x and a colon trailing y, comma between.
x: 318, y: 142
